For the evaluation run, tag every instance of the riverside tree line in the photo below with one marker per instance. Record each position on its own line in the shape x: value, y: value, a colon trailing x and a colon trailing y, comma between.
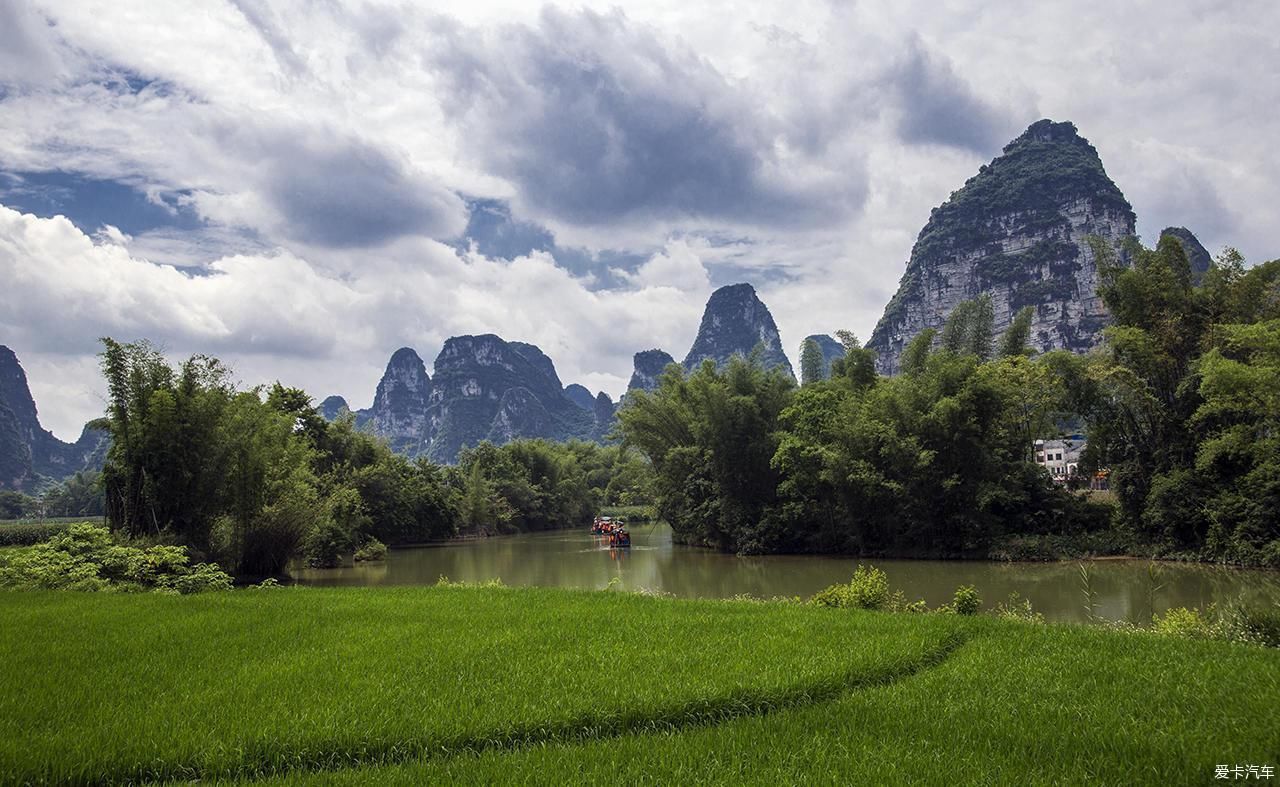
x: 1181, y: 405
x: 253, y: 478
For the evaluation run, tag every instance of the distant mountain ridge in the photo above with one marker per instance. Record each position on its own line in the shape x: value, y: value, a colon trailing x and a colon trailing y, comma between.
x: 483, y: 388
x: 30, y: 454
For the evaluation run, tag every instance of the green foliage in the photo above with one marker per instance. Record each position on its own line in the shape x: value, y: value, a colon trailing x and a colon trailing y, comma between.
x: 1013, y: 342
x: 966, y: 600
x: 371, y: 550
x: 78, y: 496
x: 1184, y: 407
x: 812, y: 366
x: 868, y: 589
x: 87, y: 557
x: 969, y: 328
x: 15, y: 505
x: 710, y: 437
x: 1250, y: 626
x: 1183, y: 622
x: 336, y: 533
x: 1018, y: 608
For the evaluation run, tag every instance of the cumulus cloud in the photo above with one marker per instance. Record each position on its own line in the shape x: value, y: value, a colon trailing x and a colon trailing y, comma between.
x: 29, y: 52
x: 278, y: 315
x: 598, y: 120
x: 936, y: 105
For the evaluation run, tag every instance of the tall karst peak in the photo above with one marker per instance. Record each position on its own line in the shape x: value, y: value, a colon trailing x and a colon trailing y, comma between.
x: 489, y: 388
x: 735, y: 322
x: 399, y: 411
x: 333, y: 408
x: 648, y: 366
x: 1018, y: 230
x: 15, y: 393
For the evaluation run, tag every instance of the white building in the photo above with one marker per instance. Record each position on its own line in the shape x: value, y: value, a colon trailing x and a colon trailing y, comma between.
x: 1060, y: 457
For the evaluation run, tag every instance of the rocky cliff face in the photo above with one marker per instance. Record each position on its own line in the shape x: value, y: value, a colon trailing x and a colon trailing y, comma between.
x: 534, y: 355
x: 648, y: 366
x: 604, y: 411
x: 831, y: 350
x: 484, y: 388
x: 399, y: 411
x: 580, y: 396
x: 1196, y: 253
x: 734, y: 323
x: 1018, y: 231
x: 29, y: 453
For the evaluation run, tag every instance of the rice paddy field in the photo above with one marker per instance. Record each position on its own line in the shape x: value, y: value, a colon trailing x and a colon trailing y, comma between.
x: 499, y: 685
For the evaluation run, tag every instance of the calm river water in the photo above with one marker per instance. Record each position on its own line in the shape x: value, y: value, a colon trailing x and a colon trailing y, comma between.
x: 1122, y: 589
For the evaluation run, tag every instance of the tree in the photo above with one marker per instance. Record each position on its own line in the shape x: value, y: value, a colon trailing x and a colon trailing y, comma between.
x: 969, y: 328
x: 1018, y: 334
x: 812, y: 364
x: 710, y: 437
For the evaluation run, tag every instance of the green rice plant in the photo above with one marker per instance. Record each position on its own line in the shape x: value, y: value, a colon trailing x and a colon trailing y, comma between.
x: 113, y: 688
x: 1016, y: 704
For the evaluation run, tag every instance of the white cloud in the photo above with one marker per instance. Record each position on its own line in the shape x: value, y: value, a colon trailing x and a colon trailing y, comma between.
x: 326, y: 144
x: 281, y: 316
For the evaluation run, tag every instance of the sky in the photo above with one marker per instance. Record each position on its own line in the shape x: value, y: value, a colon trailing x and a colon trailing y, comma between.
x: 302, y: 187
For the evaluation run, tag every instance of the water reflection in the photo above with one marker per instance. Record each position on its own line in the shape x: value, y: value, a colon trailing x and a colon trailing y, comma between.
x: 1119, y: 589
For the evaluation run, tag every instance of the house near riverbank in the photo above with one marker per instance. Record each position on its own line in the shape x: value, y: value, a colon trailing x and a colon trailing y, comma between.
x: 1060, y: 457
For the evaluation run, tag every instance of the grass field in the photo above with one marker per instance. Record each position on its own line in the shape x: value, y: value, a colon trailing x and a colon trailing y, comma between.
x: 429, y: 685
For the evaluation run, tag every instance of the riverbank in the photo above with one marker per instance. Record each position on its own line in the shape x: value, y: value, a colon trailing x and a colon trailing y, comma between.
x: 552, y: 686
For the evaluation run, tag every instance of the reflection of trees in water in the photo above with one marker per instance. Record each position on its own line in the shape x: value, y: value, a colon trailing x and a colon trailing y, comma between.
x: 1122, y: 589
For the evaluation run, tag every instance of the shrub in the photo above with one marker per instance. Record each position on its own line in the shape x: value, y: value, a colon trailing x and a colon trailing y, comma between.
x: 87, y: 557
x: 834, y: 596
x: 373, y: 549
x: 868, y: 589
x: 1183, y: 622
x: 966, y: 600
x: 202, y: 578
x: 335, y: 534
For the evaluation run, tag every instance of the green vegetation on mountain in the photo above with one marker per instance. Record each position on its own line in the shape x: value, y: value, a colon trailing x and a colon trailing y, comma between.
x: 1048, y: 166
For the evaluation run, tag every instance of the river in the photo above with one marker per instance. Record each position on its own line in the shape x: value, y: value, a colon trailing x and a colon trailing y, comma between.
x: 1120, y: 589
